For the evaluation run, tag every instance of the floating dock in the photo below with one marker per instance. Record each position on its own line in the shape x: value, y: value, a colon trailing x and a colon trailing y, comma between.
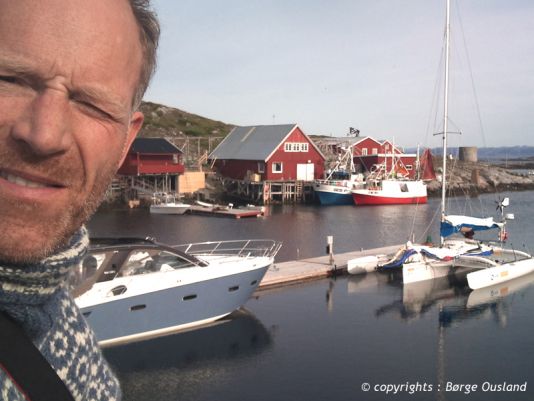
x: 236, y: 213
x: 297, y: 271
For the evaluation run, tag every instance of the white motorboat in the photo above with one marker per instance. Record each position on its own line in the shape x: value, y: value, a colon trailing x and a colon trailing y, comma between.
x: 130, y: 289
x: 167, y: 204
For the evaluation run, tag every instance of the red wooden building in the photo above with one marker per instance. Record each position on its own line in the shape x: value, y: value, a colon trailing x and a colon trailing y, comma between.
x: 369, y: 152
x: 268, y: 153
x: 153, y: 165
x: 152, y: 156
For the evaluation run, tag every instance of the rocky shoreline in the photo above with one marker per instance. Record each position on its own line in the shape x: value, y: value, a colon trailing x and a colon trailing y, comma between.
x: 469, y: 178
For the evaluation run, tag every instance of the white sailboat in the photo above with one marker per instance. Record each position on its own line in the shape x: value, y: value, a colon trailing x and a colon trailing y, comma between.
x: 485, y: 263
x: 493, y: 263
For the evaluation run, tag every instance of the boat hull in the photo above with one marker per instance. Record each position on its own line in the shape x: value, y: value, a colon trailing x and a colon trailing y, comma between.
x: 171, y: 309
x: 169, y: 209
x: 499, y: 274
x: 334, y: 198
x: 377, y: 199
x: 335, y: 192
x: 392, y: 192
x: 422, y: 271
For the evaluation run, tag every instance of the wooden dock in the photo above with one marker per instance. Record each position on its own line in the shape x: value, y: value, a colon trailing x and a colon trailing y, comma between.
x: 236, y: 213
x: 287, y: 273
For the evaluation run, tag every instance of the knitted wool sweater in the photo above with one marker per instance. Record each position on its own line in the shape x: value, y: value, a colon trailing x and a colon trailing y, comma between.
x: 37, y: 297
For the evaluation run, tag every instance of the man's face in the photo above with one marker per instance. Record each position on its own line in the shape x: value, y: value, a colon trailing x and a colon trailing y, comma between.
x: 68, y: 71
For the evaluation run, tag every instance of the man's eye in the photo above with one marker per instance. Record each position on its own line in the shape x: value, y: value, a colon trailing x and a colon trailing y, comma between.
x: 14, y: 85
x: 9, y: 79
x: 95, y: 110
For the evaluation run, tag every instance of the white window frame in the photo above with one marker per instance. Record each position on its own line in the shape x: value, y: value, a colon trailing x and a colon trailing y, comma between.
x: 274, y: 170
x: 374, y: 151
x: 296, y: 147
x: 364, y: 152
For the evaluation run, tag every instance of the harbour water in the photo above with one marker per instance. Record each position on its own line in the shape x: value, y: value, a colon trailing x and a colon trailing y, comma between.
x: 329, y: 339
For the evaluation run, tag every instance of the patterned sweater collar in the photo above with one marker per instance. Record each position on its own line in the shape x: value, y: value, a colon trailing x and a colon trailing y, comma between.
x: 34, y: 283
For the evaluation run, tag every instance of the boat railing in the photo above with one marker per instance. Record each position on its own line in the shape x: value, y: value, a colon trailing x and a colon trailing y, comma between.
x: 249, y: 248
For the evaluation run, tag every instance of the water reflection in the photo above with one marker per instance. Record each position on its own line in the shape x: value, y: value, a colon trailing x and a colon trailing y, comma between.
x: 449, y: 295
x: 172, y: 367
x: 494, y: 301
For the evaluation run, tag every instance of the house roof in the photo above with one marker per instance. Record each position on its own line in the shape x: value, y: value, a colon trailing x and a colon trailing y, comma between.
x: 153, y: 146
x: 252, y: 142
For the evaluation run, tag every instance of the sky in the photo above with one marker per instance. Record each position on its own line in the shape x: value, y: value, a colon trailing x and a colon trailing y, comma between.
x: 375, y: 65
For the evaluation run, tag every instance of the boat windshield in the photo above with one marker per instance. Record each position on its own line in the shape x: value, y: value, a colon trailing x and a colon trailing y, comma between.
x: 151, y: 261
x: 106, y: 265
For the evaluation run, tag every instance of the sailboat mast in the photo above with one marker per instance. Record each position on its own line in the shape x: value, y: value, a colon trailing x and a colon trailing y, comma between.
x: 445, y: 114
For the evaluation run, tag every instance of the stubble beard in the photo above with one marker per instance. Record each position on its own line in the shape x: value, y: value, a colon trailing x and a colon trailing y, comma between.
x: 27, y: 232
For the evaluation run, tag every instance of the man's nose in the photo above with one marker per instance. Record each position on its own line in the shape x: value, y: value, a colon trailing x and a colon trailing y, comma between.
x: 44, y: 126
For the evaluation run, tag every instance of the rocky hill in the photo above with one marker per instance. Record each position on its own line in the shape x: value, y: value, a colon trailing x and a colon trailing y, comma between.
x: 163, y: 121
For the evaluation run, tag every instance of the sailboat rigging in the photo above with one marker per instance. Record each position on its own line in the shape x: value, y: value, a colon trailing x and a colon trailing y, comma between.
x: 485, y: 263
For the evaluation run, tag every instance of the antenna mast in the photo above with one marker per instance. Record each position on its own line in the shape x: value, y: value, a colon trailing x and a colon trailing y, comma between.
x: 445, y: 116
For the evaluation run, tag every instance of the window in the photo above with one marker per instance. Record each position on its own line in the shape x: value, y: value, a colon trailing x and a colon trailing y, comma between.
x: 375, y: 151
x: 364, y: 152
x: 142, y: 262
x: 278, y: 167
x: 261, y: 167
x: 296, y: 147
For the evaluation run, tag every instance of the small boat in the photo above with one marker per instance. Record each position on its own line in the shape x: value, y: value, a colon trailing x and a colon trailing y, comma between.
x: 336, y: 188
x: 131, y: 289
x: 213, y: 206
x: 390, y: 192
x: 392, y: 186
x: 166, y: 204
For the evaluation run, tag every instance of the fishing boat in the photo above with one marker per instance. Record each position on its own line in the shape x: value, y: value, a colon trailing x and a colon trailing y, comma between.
x: 340, y: 181
x: 385, y: 186
x: 131, y: 289
x: 390, y: 192
x: 167, y: 204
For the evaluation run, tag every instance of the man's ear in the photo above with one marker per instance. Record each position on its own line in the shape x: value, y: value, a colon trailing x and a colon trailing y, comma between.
x: 135, y: 126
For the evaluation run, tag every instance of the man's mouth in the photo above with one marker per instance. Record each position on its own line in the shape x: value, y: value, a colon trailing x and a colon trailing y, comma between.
x: 25, y: 182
